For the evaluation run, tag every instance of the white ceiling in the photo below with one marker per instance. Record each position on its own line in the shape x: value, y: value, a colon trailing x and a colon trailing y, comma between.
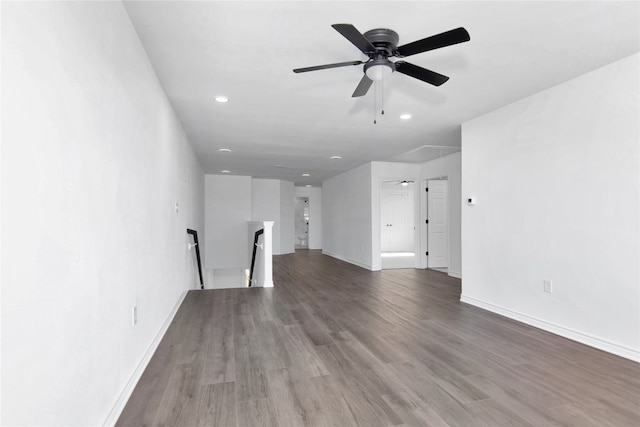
x: 247, y: 50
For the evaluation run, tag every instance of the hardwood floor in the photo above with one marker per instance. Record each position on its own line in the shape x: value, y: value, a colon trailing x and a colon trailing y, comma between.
x: 335, y: 345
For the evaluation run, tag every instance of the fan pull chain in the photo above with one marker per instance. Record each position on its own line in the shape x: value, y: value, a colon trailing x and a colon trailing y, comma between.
x: 382, y: 95
x: 375, y: 99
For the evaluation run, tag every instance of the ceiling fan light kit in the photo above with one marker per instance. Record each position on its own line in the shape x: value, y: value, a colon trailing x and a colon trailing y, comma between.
x: 378, y: 69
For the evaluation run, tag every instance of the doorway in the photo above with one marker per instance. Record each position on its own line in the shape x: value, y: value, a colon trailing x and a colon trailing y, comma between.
x: 397, y: 224
x: 302, y: 222
x: 438, y: 224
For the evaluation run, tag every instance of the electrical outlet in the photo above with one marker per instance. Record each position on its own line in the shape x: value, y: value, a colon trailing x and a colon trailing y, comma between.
x: 547, y: 285
x: 134, y: 315
x: 177, y: 207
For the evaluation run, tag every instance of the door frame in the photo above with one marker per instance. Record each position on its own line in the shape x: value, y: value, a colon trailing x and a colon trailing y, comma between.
x: 377, y: 224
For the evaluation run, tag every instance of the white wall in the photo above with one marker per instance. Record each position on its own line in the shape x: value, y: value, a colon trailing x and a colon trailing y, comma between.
x: 93, y: 162
x: 315, y: 214
x: 388, y: 171
x: 556, y: 181
x: 346, y: 216
x: 448, y: 166
x: 227, y: 211
x: 265, y: 206
x: 287, y: 218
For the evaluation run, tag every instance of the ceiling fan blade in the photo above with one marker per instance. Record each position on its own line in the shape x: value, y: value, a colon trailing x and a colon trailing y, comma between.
x: 448, y: 38
x: 420, y: 73
x: 363, y: 87
x: 324, y: 67
x: 352, y: 34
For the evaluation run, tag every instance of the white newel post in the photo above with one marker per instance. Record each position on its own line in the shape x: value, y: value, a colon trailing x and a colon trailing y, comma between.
x: 268, y: 253
x: 263, y: 271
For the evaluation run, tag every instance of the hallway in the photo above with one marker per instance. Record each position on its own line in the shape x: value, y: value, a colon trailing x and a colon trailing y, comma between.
x: 334, y: 344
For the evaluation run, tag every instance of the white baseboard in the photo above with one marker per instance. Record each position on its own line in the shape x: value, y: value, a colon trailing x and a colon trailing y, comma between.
x: 590, y: 340
x: 117, y: 409
x: 350, y: 261
x: 455, y: 274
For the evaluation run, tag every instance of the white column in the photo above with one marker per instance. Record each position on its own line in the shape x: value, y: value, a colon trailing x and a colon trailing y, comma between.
x: 268, y: 253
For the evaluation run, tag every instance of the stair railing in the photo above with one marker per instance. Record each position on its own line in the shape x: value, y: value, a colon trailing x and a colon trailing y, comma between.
x: 194, y: 233
x: 256, y: 236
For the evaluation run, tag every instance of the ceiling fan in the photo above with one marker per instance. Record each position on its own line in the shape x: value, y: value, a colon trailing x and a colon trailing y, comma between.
x: 404, y: 182
x: 380, y: 44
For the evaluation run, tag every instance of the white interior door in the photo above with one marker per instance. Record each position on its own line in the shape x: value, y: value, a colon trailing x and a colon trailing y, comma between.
x: 437, y: 227
x: 397, y: 218
x: 387, y: 211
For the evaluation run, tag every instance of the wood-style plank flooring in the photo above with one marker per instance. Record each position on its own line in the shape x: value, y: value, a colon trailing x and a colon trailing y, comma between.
x: 335, y: 345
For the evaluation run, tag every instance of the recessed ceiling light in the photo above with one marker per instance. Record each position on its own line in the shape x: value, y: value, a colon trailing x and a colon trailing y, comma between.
x: 224, y: 171
x: 308, y: 185
x: 224, y: 150
x: 221, y: 99
x: 405, y: 116
x: 305, y: 174
x: 279, y: 166
x: 336, y: 157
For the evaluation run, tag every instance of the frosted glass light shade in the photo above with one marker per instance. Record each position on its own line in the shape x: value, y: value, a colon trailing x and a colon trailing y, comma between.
x: 378, y: 72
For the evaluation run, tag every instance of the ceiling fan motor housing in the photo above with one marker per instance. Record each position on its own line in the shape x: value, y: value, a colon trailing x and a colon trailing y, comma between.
x: 383, y: 39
